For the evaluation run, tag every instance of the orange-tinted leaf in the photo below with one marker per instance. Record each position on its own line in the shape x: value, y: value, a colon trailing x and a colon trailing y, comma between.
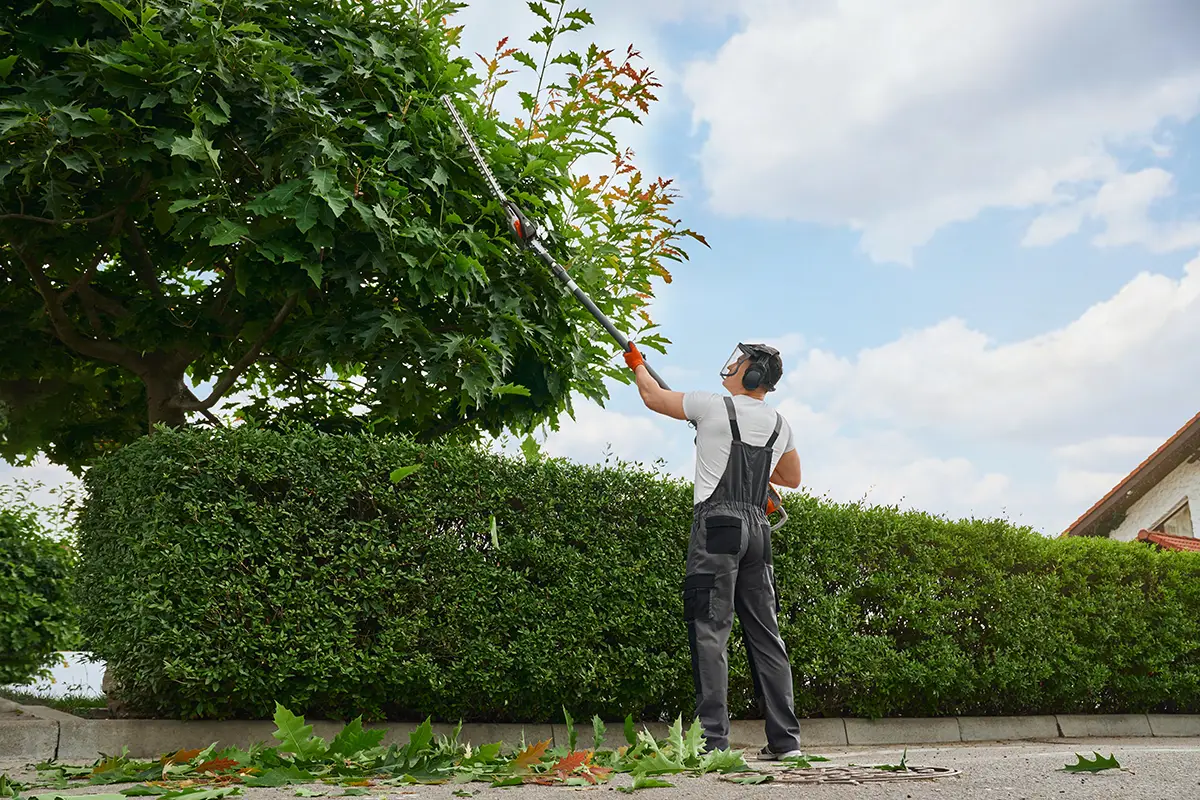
x: 572, y: 761
x: 217, y: 765
x: 180, y: 757
x: 531, y: 755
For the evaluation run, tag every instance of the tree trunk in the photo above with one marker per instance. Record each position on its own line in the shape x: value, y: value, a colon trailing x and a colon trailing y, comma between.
x: 165, y: 389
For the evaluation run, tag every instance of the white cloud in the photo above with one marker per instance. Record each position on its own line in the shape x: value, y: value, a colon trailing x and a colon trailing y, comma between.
x: 1123, y: 206
x: 1128, y: 355
x: 1039, y: 429
x: 898, y: 118
x: 1108, y: 449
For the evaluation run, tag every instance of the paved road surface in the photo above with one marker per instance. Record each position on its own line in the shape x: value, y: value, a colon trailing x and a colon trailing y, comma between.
x: 1155, y: 769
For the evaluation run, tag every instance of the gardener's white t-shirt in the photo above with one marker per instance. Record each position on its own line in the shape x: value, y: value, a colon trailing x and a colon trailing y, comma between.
x: 756, y: 422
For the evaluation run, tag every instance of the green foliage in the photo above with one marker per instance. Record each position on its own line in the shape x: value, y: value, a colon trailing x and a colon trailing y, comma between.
x: 223, y: 568
x: 268, y: 195
x: 37, y: 611
x: 358, y: 760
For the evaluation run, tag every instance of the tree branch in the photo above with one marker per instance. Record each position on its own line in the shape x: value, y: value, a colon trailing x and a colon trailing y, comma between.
x: 208, y: 415
x: 99, y: 348
x: 86, y: 276
x: 230, y: 377
x: 50, y: 221
x: 143, y: 265
x: 84, y: 220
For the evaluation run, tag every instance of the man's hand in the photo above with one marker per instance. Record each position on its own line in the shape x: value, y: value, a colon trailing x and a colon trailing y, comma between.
x: 633, y: 357
x: 655, y: 397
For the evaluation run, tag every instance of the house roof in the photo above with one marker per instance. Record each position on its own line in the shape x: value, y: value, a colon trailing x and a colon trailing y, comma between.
x: 1168, y: 541
x: 1182, y: 446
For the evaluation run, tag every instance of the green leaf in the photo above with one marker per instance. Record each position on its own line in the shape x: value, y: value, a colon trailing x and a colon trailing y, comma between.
x: 277, y: 199
x: 213, y: 115
x: 117, y: 10
x: 180, y: 205
x: 75, y: 162
x: 597, y: 732
x: 228, y: 232
x: 354, y: 791
x: 306, y: 216
x: 511, y: 388
x: 315, y: 272
x: 400, y: 473
x: 496, y: 540
x: 6, y: 65
x: 675, y: 739
x: 643, y: 782
x: 353, y: 738
x: 306, y: 792
x: 533, y: 452
x: 143, y: 791
x: 723, y: 761
x: 525, y: 59
x: 326, y: 184
x: 656, y: 764
x: 195, y: 147
x: 1096, y: 765
x: 295, y: 736
x: 279, y: 776
x: 540, y: 10
x: 100, y: 115
x: 694, y: 743
x: 630, y: 732
x: 752, y: 780
x: 572, y: 734
x: 509, y: 780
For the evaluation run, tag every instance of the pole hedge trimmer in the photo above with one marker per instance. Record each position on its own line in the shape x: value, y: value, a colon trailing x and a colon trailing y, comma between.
x: 526, y: 233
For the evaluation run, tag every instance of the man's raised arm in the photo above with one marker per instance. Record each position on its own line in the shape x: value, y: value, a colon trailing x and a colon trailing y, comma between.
x: 656, y: 398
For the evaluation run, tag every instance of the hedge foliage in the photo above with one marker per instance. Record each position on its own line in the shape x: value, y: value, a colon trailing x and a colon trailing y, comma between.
x: 37, y: 609
x: 225, y: 570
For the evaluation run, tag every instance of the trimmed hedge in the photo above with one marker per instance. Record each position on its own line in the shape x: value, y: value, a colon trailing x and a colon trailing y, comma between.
x: 37, y: 610
x: 225, y: 570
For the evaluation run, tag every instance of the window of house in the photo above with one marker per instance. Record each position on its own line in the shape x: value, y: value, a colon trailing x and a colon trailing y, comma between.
x: 1178, y: 522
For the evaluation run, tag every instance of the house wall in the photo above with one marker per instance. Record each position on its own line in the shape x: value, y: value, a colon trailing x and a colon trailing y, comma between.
x: 1183, y: 481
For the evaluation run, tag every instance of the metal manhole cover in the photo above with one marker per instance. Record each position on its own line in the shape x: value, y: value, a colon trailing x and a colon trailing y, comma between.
x: 856, y: 775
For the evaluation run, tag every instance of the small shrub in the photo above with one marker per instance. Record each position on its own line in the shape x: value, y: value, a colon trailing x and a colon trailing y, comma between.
x: 37, y: 611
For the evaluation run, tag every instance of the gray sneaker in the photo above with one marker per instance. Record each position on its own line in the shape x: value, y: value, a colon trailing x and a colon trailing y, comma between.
x: 767, y: 754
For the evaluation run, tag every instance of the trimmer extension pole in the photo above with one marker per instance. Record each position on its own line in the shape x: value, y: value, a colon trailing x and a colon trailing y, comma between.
x: 526, y: 234
x: 525, y: 231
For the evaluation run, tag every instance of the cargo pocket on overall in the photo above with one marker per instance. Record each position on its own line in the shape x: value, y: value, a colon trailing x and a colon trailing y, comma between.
x: 723, y: 535
x: 697, y: 597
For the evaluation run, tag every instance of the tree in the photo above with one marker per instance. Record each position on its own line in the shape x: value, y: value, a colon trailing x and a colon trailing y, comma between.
x: 268, y: 197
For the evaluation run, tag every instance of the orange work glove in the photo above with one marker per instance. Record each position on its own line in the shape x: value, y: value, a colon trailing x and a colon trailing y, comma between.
x: 633, y: 358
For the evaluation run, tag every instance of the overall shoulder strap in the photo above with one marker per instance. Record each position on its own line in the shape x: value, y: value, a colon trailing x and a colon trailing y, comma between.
x: 775, y: 435
x: 733, y: 426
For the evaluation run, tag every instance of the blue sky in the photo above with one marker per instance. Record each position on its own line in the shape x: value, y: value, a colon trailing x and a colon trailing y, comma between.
x: 972, y: 229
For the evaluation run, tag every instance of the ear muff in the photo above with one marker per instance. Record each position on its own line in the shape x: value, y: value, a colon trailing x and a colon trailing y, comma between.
x: 753, y: 376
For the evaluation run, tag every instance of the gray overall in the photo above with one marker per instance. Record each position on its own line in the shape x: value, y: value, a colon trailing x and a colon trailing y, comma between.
x: 729, y: 569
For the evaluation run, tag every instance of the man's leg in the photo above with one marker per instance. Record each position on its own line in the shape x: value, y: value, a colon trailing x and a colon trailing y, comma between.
x: 772, y: 671
x: 708, y: 609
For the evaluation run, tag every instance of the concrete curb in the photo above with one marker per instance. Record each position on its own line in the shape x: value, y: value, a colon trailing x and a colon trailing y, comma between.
x: 43, y: 734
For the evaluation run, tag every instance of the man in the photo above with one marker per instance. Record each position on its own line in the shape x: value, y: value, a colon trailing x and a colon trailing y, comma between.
x: 741, y: 445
